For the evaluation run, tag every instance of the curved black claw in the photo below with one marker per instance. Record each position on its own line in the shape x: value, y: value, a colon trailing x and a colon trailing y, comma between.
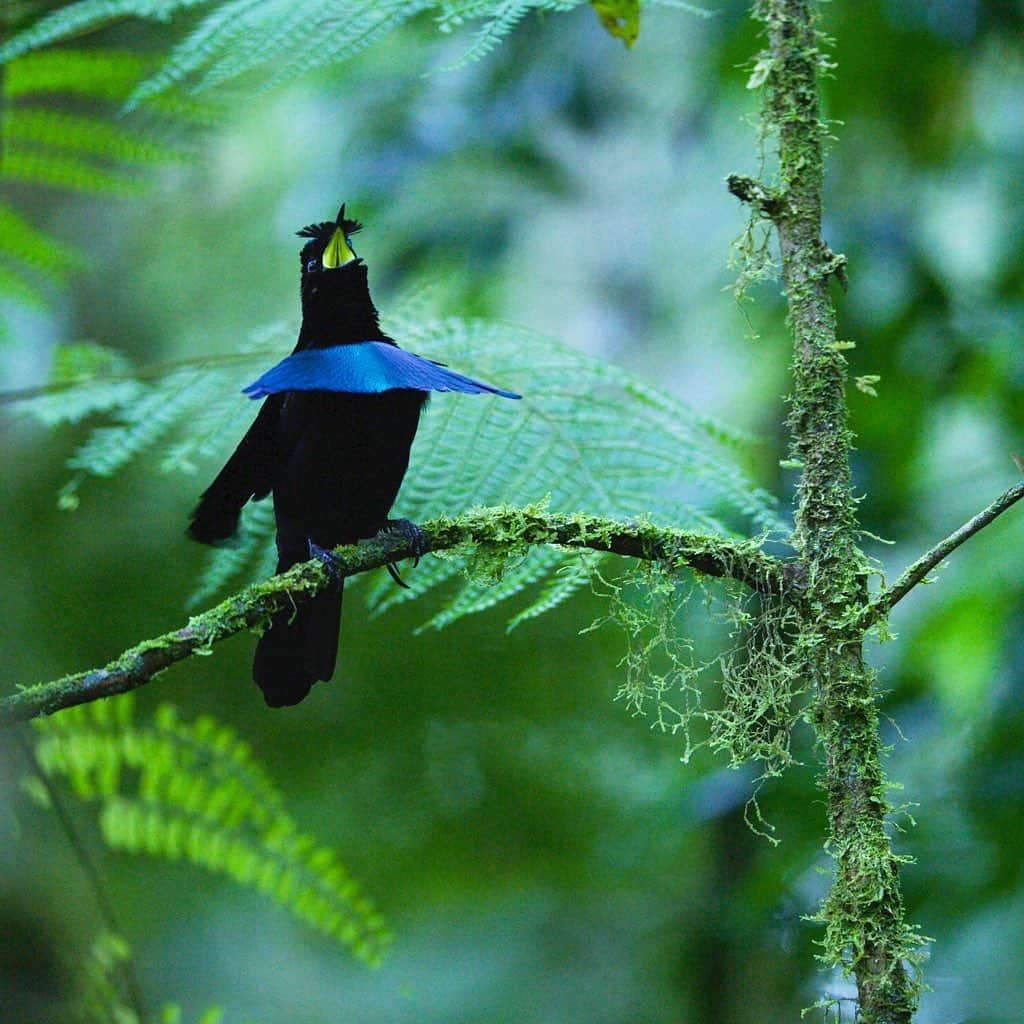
x: 409, y: 531
x: 396, y: 576
x: 413, y: 535
x: 327, y: 560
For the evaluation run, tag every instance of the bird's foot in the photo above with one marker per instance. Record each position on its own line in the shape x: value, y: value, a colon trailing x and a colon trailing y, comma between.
x: 410, y: 532
x: 327, y: 559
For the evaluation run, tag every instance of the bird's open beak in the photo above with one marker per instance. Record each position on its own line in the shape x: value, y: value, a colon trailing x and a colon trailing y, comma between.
x: 337, y: 253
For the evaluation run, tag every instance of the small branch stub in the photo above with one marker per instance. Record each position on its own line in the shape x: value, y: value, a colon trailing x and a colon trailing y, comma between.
x: 758, y: 195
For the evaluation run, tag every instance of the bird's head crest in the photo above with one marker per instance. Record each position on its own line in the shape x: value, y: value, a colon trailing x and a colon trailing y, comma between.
x: 325, y: 229
x: 330, y: 243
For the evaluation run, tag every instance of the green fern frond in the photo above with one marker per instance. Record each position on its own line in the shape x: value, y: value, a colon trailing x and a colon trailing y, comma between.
x: 16, y: 285
x: 379, y: 21
x: 682, y: 5
x: 85, y: 379
x: 86, y: 136
x: 37, y: 168
x: 89, y: 378
x: 488, y: 582
x: 31, y: 262
x: 251, y: 556
x: 221, y: 30
x: 244, y: 35
x: 477, y: 595
x: 79, y: 151
x: 76, y: 19
x: 171, y: 1014
x: 587, y: 435
x: 281, y: 39
x: 430, y: 574
x: 82, y: 361
x: 110, y: 75
x: 193, y: 791
x: 144, y: 423
x: 101, y: 995
x: 83, y: 150
x: 25, y: 244
x: 96, y: 74
x: 501, y: 19
x: 567, y: 580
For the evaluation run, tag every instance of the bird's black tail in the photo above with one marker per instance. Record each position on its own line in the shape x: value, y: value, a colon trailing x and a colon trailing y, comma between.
x: 299, y: 648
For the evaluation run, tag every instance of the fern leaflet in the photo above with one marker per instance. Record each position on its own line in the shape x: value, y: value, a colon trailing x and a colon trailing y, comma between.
x: 75, y: 19
x: 101, y: 998
x: 194, y: 792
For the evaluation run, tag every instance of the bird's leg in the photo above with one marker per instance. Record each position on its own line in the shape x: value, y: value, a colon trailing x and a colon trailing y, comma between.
x: 410, y: 532
x: 327, y: 560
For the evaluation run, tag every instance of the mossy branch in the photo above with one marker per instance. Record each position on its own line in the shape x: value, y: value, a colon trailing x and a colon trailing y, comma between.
x: 506, y: 528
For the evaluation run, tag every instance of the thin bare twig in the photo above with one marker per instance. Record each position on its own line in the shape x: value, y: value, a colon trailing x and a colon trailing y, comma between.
x: 917, y: 572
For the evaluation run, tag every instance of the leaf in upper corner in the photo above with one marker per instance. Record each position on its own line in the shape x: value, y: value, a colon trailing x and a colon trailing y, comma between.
x: 282, y: 39
x: 621, y: 18
x: 72, y: 20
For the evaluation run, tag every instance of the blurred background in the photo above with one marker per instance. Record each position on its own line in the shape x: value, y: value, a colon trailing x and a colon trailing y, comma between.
x: 540, y: 854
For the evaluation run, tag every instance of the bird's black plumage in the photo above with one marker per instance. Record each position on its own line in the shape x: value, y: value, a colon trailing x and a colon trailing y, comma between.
x: 334, y: 462
x: 331, y: 443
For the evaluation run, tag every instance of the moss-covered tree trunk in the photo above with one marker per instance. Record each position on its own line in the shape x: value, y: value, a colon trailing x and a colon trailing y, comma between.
x: 865, y: 928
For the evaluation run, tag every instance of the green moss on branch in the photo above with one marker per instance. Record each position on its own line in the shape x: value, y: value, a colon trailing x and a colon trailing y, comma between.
x: 501, y: 532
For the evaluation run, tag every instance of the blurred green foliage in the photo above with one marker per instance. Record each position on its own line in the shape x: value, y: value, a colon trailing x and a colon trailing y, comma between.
x: 540, y: 854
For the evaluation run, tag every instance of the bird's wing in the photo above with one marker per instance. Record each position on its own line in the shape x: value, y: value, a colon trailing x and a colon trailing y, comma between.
x: 247, y: 474
x: 367, y: 367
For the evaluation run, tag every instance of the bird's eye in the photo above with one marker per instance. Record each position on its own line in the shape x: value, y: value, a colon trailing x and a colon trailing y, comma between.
x: 311, y: 266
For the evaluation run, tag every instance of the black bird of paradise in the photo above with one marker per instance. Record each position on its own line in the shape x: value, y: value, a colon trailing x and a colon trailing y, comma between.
x: 331, y: 443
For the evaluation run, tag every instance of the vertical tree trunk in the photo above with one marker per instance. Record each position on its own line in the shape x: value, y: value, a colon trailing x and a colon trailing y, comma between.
x: 863, y: 914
